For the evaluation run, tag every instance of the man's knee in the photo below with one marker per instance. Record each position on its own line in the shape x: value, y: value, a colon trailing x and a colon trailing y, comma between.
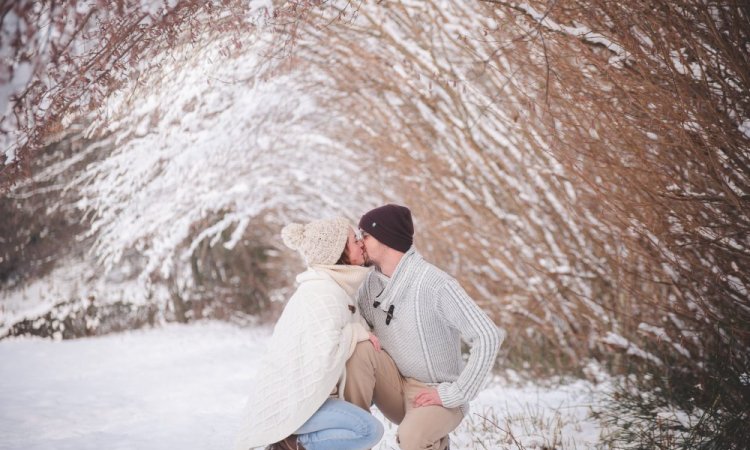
x: 360, y: 376
x: 413, y: 438
x: 363, y: 354
x: 360, y: 368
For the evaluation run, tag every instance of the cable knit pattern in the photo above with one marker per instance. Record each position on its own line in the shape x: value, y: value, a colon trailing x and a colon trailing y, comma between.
x: 350, y: 279
x: 431, y: 314
x: 304, y: 361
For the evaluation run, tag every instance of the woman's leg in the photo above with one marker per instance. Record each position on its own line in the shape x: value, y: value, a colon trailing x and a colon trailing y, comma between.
x: 340, y: 425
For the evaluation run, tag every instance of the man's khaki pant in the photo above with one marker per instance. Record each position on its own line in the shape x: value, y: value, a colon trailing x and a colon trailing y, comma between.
x: 372, y: 377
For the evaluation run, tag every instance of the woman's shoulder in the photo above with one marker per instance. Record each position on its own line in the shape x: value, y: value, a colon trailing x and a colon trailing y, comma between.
x: 311, y: 302
x: 322, y: 289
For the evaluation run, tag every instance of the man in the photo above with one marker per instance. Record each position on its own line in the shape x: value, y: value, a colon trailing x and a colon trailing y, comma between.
x: 420, y: 314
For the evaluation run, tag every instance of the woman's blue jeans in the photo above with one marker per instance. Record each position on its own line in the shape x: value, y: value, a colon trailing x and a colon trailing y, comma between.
x: 340, y: 425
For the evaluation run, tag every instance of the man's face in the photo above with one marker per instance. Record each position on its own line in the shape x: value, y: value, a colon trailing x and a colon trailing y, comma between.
x: 373, y: 250
x: 355, y: 250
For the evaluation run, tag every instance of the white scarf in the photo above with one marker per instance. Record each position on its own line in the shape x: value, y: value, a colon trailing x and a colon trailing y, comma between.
x: 348, y: 277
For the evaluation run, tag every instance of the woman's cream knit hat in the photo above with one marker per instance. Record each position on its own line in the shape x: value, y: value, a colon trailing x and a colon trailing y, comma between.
x: 320, y: 241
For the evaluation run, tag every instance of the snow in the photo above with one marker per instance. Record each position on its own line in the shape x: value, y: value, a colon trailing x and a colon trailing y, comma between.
x: 662, y: 335
x: 737, y: 284
x: 630, y: 348
x: 578, y: 31
x: 183, y: 386
x: 745, y: 128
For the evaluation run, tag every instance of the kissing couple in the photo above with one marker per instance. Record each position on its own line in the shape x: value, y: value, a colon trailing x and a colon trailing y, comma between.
x: 370, y: 323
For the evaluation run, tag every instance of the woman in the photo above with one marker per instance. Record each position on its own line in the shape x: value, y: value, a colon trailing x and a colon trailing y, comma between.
x: 296, y: 400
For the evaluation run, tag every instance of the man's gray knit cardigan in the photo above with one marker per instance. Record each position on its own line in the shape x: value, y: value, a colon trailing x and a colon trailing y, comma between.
x: 431, y: 313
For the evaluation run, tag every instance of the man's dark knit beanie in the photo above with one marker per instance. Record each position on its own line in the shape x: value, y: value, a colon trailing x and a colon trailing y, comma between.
x: 391, y: 225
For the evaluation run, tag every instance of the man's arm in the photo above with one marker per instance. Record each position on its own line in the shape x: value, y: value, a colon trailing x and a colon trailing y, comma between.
x: 483, y: 336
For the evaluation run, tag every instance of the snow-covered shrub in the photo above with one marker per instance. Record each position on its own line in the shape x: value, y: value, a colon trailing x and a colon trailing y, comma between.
x: 196, y: 165
x: 60, y: 61
x: 36, y: 229
x: 591, y: 163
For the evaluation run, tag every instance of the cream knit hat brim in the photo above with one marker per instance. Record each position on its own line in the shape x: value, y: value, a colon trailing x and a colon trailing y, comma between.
x: 320, y: 241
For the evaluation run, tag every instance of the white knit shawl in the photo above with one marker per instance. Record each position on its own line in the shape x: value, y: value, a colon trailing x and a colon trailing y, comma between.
x: 305, y: 360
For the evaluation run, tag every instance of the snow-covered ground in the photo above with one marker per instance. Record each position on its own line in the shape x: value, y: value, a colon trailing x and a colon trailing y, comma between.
x: 183, y: 386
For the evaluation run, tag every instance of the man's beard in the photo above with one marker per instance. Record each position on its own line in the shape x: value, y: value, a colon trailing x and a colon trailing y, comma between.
x: 369, y: 262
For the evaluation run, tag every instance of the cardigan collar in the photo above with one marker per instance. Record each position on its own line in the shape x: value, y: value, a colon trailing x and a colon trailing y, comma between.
x: 396, y: 284
x: 349, y: 278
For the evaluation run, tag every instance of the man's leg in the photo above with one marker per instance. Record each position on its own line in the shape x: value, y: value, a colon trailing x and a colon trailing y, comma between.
x: 372, y: 376
x: 425, y: 427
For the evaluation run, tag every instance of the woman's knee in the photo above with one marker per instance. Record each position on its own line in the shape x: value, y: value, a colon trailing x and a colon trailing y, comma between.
x: 368, y: 428
x: 374, y: 432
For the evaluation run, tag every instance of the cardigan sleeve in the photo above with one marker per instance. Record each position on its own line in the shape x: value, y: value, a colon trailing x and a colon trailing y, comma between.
x: 359, y: 334
x: 459, y: 311
x: 334, y: 323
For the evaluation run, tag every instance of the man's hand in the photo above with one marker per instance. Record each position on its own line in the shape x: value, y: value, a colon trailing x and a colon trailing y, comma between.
x: 428, y: 397
x: 375, y: 342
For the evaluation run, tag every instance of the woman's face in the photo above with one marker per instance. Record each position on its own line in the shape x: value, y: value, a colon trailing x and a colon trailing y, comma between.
x: 354, y: 250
